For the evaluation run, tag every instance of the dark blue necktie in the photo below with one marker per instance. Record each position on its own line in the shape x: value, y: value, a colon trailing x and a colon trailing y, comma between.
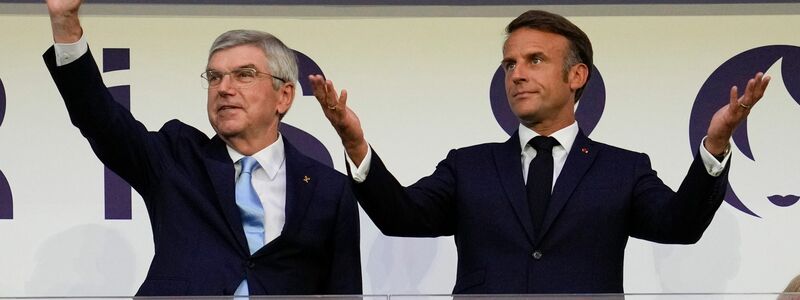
x: 251, y: 210
x: 540, y: 179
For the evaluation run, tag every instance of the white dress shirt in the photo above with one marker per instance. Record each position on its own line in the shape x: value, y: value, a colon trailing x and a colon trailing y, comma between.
x: 269, y: 181
x: 565, y: 137
x: 67, y: 53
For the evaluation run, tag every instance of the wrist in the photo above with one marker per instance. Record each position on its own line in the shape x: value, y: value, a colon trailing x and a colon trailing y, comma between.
x: 724, y: 153
x: 356, y: 150
x: 719, y: 148
x: 66, y: 28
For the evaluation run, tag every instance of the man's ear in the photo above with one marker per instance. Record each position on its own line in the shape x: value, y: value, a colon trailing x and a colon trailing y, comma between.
x: 577, y: 76
x: 286, y: 98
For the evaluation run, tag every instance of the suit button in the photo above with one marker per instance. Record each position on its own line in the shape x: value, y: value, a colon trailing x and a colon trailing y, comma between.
x: 536, y: 254
x: 251, y: 264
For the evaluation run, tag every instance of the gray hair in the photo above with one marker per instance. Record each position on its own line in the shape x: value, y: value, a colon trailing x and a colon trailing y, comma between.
x: 281, y: 60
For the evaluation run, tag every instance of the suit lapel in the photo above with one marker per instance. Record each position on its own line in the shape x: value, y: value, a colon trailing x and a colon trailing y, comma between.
x: 509, y: 170
x: 579, y: 159
x: 300, y: 185
x: 220, y: 169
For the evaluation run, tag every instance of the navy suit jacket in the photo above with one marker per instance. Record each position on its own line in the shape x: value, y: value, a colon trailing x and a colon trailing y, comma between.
x: 603, y: 195
x: 187, y: 183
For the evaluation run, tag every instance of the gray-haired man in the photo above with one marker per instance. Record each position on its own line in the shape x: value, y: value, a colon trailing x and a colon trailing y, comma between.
x: 243, y: 212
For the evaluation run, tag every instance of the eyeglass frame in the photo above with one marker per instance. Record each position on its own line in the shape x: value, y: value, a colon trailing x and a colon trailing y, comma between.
x: 207, y: 82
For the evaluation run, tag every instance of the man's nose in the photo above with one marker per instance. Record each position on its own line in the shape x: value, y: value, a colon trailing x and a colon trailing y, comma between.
x: 518, y: 74
x: 225, y: 85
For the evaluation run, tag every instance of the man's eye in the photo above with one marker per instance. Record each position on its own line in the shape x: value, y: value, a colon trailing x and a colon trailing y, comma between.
x: 509, y: 66
x: 536, y: 61
x: 245, y: 73
x: 213, y: 76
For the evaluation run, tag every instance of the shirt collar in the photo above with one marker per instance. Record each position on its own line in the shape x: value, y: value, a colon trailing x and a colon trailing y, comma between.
x: 565, y: 136
x: 270, y: 159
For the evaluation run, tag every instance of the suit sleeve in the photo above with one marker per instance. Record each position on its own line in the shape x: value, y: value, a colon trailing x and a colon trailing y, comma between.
x: 425, y: 209
x: 681, y: 217
x: 118, y: 140
x: 345, y: 275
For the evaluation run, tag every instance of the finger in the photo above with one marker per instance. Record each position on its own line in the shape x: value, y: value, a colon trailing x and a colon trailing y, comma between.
x: 314, y: 80
x: 318, y: 88
x: 331, y: 94
x: 747, y: 97
x: 755, y: 94
x: 343, y: 98
x: 734, y: 97
x: 762, y: 86
x: 322, y: 92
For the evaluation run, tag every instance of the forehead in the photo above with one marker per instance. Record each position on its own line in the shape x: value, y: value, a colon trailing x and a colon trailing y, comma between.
x: 526, y: 40
x: 238, y: 56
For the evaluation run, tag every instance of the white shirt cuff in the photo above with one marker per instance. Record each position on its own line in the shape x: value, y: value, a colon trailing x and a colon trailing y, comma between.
x: 360, y: 173
x: 67, y: 53
x: 713, y: 166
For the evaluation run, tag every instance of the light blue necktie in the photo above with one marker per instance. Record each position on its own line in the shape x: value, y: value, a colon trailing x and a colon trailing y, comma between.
x: 251, y: 210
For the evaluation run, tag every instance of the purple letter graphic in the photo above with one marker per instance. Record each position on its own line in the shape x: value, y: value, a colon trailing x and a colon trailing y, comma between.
x: 306, y: 143
x: 6, y: 205
x: 117, y: 191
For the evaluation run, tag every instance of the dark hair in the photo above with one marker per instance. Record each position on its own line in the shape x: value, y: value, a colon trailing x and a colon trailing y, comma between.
x: 579, y: 45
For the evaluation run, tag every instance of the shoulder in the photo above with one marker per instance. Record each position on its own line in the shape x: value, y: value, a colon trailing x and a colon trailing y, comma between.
x: 296, y: 161
x: 614, y: 152
x: 183, y: 137
x: 480, y: 149
x: 179, y: 130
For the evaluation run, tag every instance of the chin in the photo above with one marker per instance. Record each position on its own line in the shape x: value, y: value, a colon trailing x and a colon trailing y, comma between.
x: 528, y: 119
x: 227, y: 129
x: 525, y: 113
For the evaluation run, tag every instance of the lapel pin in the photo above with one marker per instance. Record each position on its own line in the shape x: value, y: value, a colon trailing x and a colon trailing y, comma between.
x: 306, y: 179
x: 585, y: 150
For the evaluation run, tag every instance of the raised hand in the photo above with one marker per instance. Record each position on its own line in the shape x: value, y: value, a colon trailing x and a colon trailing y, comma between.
x: 727, y: 118
x: 64, y: 20
x: 343, y: 119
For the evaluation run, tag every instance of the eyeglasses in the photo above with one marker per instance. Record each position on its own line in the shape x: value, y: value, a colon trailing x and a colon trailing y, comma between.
x: 241, y: 78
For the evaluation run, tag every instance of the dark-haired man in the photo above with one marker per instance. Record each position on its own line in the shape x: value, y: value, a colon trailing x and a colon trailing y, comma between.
x: 549, y: 210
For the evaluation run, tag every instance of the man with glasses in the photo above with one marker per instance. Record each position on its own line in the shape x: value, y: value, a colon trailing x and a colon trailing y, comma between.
x: 240, y: 213
x: 548, y: 210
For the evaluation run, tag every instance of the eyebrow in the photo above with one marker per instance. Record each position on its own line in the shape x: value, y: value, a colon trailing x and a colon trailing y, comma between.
x: 250, y: 66
x: 536, y: 53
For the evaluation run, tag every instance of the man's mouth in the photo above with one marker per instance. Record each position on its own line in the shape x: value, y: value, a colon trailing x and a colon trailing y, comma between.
x: 227, y: 107
x: 523, y: 93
